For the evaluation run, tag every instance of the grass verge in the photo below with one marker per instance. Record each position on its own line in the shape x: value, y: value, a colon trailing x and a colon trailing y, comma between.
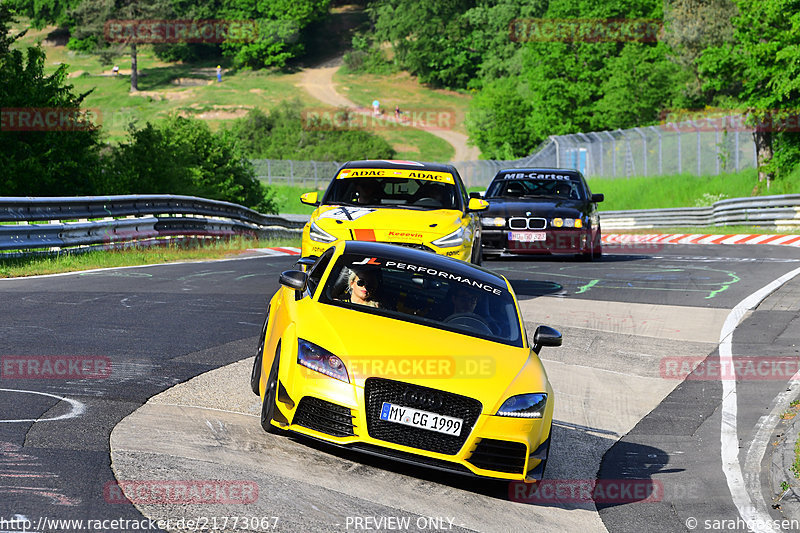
x: 12, y: 267
x: 685, y: 190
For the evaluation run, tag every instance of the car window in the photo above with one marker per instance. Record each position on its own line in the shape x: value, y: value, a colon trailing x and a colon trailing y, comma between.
x: 520, y: 188
x: 450, y: 301
x: 394, y: 192
x: 317, y: 270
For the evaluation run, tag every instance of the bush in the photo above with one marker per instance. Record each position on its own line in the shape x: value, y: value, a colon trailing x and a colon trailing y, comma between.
x: 183, y: 156
x: 286, y: 134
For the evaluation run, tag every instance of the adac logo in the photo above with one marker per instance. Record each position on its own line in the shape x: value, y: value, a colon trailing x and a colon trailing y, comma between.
x: 368, y: 261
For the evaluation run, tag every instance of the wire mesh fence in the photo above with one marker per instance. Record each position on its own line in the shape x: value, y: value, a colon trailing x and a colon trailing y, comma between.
x: 700, y: 147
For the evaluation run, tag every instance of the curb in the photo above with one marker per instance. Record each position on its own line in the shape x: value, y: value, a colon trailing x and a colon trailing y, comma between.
x: 697, y: 238
x: 780, y: 469
x: 277, y: 250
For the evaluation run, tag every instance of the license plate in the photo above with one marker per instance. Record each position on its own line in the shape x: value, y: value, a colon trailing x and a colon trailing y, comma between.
x: 421, y: 419
x: 527, y: 236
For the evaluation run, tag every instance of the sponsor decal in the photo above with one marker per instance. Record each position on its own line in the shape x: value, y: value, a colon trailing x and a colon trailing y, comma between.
x: 446, y: 275
x: 405, y: 234
x: 368, y: 261
x: 364, y: 235
x: 439, y: 177
x: 346, y: 213
x: 537, y: 176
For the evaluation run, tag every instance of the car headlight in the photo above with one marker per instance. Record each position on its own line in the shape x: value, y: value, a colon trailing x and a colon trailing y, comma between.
x: 524, y: 406
x: 321, y: 360
x: 493, y: 222
x: 453, y: 239
x: 566, y: 223
x: 318, y: 234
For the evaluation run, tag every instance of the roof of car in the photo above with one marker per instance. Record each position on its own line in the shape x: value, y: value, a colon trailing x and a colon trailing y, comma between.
x: 392, y: 163
x: 404, y: 254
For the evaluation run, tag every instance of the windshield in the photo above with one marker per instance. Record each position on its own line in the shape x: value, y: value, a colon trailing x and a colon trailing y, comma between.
x: 552, y: 188
x: 451, y: 301
x: 403, y: 190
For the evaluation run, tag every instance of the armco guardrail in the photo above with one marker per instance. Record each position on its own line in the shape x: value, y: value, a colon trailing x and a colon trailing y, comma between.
x: 781, y: 211
x: 110, y: 221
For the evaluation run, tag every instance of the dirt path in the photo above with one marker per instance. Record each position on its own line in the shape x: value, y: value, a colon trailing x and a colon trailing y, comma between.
x: 318, y: 82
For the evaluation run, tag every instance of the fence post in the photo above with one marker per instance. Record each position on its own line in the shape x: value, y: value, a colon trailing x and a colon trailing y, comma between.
x: 558, y: 152
x: 680, y: 160
x: 660, y: 157
x: 699, y: 153
x: 644, y: 146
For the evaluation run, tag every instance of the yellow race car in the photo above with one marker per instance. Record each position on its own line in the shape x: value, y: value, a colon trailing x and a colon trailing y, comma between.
x: 420, y: 205
x: 407, y: 355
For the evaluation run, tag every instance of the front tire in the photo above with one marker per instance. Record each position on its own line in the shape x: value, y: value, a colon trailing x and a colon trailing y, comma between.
x: 477, y: 253
x: 255, y: 375
x: 270, y: 396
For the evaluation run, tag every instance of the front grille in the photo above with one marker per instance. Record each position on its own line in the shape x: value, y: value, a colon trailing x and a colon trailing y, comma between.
x: 325, y: 417
x: 379, y: 390
x: 500, y: 456
x: 412, y: 245
x: 521, y: 223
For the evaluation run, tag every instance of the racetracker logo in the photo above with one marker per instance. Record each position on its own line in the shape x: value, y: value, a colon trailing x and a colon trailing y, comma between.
x: 181, y: 492
x: 584, y: 30
x: 54, y: 367
x: 730, y: 120
x: 566, y: 491
x: 48, y: 119
x: 415, y: 367
x: 180, y: 31
x: 738, y: 368
x: 364, y: 119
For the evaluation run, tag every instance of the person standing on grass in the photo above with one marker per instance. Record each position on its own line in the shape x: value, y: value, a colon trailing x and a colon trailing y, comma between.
x: 219, y: 73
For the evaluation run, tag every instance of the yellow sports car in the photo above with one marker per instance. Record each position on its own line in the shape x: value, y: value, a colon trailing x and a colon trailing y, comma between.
x: 420, y: 205
x: 407, y: 355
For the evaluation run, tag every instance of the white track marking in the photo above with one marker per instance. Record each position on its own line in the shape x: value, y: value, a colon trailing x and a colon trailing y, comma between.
x: 754, y: 513
x: 78, y: 408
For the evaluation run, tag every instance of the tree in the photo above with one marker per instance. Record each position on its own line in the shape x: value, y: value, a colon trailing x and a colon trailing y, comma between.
x: 183, y: 156
x: 760, y: 70
x: 430, y: 39
x: 59, y: 158
x: 92, y: 19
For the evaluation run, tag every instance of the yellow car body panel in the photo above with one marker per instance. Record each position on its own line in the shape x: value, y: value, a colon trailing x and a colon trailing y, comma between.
x: 371, y: 345
x: 393, y: 224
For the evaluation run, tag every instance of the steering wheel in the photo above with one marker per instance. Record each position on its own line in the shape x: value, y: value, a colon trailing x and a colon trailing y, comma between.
x: 470, y: 321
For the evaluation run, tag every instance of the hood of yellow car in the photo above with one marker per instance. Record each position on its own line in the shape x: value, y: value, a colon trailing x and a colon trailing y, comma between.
x: 386, y: 224
x: 374, y: 345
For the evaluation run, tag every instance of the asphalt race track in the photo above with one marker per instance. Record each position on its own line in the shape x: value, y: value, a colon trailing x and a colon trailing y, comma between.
x: 159, y: 391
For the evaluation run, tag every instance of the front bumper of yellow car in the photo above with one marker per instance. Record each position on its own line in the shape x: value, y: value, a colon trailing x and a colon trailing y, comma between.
x: 344, y: 414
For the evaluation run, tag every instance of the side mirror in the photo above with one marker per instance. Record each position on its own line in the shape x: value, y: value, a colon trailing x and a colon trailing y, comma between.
x: 545, y: 336
x: 306, y: 262
x: 476, y: 204
x: 294, y: 279
x: 310, y: 198
x: 598, y: 197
